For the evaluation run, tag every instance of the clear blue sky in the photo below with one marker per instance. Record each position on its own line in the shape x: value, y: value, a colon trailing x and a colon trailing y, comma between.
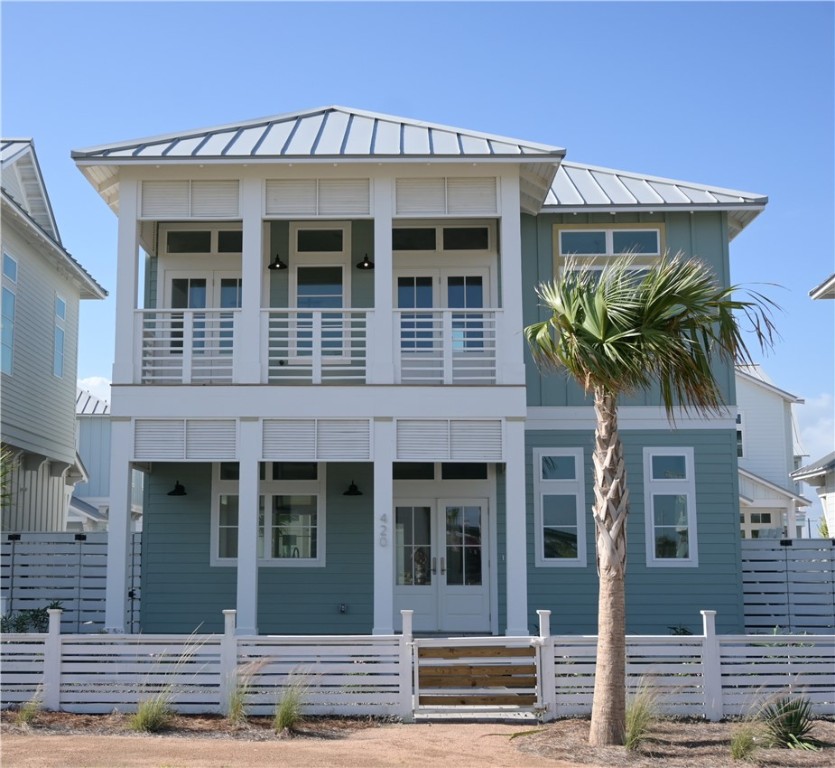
x: 737, y: 95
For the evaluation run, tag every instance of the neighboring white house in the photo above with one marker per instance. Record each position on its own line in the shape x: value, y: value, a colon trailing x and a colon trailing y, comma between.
x: 768, y: 452
x: 90, y: 502
x: 821, y: 475
x: 42, y: 285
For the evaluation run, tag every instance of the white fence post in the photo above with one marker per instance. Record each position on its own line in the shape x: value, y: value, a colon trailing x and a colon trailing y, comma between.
x: 406, y: 673
x: 228, y: 660
x: 52, y: 662
x: 547, y: 678
x: 711, y: 668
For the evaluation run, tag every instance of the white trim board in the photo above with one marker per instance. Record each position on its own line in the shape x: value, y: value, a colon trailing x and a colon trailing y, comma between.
x: 566, y: 418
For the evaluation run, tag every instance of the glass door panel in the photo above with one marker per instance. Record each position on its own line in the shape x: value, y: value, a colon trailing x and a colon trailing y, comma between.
x: 188, y: 293
x: 415, y: 327
x: 463, y: 546
x: 466, y: 292
x: 414, y: 545
x: 319, y: 288
x: 229, y: 298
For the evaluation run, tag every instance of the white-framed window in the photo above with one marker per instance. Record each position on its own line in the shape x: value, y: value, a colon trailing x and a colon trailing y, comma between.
x: 670, y: 507
x: 291, y: 514
x: 594, y: 246
x: 60, y: 334
x: 7, y: 309
x: 559, y: 507
x: 740, y: 436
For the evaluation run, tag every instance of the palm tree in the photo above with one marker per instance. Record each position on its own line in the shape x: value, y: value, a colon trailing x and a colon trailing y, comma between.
x: 618, y: 331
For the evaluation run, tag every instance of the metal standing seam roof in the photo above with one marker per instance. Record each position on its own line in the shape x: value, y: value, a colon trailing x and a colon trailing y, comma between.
x: 819, y: 467
x: 826, y: 290
x: 87, y: 404
x: 17, y: 156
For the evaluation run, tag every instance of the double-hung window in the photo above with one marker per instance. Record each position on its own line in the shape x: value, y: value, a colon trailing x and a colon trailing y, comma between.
x: 670, y: 507
x: 9, y: 299
x: 559, y: 507
x: 291, y: 514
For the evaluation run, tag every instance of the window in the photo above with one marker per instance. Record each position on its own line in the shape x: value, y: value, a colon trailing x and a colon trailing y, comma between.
x: 670, y: 507
x: 740, y: 443
x: 202, y: 239
x: 559, y: 507
x: 58, y: 349
x: 595, y: 246
x: 7, y: 308
x: 458, y: 237
x: 291, y: 514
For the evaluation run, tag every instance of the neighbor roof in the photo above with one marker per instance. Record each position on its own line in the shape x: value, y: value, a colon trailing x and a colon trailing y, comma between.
x: 756, y: 375
x: 23, y: 182
x: 819, y: 467
x: 826, y: 290
x: 87, y: 404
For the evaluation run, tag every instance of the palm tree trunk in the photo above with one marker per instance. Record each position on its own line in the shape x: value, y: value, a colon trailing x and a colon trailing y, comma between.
x: 610, y: 510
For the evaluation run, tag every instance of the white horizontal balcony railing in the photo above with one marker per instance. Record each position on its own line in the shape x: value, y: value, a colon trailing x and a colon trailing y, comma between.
x: 446, y: 346
x: 185, y: 346
x: 315, y: 346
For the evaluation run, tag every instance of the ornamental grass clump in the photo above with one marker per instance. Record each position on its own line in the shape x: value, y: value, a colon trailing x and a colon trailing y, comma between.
x: 154, y: 714
x: 745, y: 738
x: 288, y: 709
x: 29, y: 710
x: 641, y: 712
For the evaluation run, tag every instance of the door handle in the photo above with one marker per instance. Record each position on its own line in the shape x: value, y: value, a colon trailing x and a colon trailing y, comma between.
x: 443, y: 565
x: 434, y: 566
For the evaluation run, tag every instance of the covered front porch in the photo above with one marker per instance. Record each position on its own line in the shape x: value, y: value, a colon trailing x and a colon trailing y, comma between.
x: 300, y: 544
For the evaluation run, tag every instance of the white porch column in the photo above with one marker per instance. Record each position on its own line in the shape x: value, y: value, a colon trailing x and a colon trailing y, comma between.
x: 126, y: 282
x: 511, y: 362
x: 118, y: 535
x: 383, y: 533
x: 381, y: 342
x: 248, y: 342
x: 515, y: 534
x: 249, y: 453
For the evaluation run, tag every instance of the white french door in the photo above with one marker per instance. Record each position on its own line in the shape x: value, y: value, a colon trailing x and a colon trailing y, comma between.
x: 442, y: 564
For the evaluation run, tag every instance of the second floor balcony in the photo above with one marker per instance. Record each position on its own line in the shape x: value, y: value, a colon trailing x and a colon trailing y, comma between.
x: 319, y: 346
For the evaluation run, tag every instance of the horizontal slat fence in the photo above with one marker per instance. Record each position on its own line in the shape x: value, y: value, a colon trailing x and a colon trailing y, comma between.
x: 39, y: 568
x: 789, y: 585
x: 545, y: 677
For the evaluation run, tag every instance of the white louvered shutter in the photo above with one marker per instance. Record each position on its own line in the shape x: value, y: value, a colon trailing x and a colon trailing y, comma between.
x: 347, y: 440
x: 289, y: 439
x: 420, y: 196
x: 291, y: 196
x: 475, y: 440
x: 211, y: 199
x: 211, y: 440
x: 468, y: 196
x: 159, y: 439
x: 342, y: 197
x: 423, y: 440
x: 165, y: 200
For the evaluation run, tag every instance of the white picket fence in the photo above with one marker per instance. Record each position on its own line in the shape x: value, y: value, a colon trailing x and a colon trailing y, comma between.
x: 708, y: 676
x: 39, y: 568
x: 789, y: 585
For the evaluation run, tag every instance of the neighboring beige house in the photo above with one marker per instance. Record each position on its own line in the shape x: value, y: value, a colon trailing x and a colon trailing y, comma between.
x: 42, y: 286
x: 768, y: 452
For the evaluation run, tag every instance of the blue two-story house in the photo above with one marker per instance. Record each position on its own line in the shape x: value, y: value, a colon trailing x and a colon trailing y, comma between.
x: 320, y: 365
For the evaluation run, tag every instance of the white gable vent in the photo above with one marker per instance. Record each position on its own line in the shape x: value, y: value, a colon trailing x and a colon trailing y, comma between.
x: 211, y: 440
x: 289, y: 439
x: 159, y: 439
x: 438, y: 197
x: 318, y: 197
x: 190, y: 199
x: 445, y: 439
x: 347, y: 440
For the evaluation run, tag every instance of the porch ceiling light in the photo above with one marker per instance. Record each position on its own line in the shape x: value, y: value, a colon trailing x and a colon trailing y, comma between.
x: 366, y: 263
x: 353, y: 490
x: 179, y: 490
x: 277, y: 263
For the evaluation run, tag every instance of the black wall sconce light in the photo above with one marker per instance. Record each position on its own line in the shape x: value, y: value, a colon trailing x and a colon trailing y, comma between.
x: 353, y: 490
x: 276, y: 263
x: 366, y: 263
x: 179, y: 490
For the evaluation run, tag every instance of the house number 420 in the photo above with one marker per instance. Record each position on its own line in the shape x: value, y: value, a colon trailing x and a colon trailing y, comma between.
x: 384, y: 530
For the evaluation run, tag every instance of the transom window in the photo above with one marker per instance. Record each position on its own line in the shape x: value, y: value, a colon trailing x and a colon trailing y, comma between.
x: 201, y: 239
x: 458, y: 237
x: 559, y: 507
x: 670, y: 507
x: 291, y: 514
x: 594, y: 246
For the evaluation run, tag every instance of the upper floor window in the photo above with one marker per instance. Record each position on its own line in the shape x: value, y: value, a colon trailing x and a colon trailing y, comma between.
x: 559, y: 507
x: 58, y: 349
x: 201, y: 239
x: 595, y: 246
x: 291, y: 514
x: 457, y: 237
x: 7, y: 309
x: 670, y: 507
x: 740, y: 437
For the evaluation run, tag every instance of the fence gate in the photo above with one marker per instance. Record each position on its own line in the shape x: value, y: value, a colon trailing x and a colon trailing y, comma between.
x: 476, y: 675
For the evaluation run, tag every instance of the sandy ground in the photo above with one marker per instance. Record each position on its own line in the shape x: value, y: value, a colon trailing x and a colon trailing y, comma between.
x: 422, y: 746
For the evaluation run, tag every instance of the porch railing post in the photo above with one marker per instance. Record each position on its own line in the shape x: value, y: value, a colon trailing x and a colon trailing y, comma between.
x: 711, y: 668
x: 406, y: 672
x: 52, y: 662
x: 228, y: 660
x: 546, y: 672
